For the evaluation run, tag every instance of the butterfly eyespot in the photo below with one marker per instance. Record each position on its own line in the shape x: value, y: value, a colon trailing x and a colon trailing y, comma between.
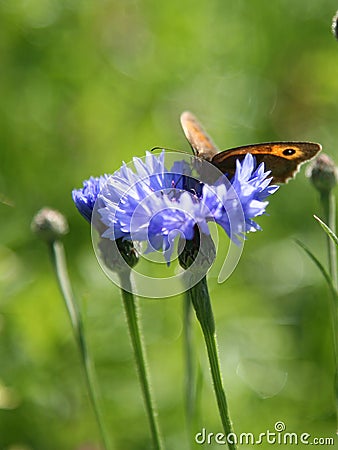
x: 289, y: 151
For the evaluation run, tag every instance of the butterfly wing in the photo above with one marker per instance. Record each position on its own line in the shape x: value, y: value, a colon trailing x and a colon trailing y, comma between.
x: 283, y: 159
x: 200, y: 142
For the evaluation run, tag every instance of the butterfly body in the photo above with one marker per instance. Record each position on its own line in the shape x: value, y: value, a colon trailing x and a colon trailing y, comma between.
x: 283, y: 159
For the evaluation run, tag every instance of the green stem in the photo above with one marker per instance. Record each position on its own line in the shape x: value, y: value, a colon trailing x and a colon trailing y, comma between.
x: 199, y: 296
x: 329, y: 208
x: 60, y: 266
x: 190, y: 382
x: 130, y: 308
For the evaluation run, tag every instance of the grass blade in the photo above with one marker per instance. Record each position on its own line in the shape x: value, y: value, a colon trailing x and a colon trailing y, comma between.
x: 320, y: 267
x: 327, y: 229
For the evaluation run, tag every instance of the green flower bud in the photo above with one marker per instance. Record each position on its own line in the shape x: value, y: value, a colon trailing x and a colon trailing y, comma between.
x: 323, y: 173
x: 49, y: 224
x: 111, y: 252
x: 199, y: 250
x: 128, y: 251
x: 335, y: 25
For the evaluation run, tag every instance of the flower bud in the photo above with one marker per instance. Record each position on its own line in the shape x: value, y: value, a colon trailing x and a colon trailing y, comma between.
x: 335, y: 25
x: 128, y: 251
x: 323, y: 173
x: 49, y: 224
x: 111, y: 252
x: 199, y: 250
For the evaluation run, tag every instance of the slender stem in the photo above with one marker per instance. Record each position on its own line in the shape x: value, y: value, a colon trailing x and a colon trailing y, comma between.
x: 130, y: 308
x: 199, y: 296
x: 329, y: 207
x: 190, y: 382
x: 60, y: 266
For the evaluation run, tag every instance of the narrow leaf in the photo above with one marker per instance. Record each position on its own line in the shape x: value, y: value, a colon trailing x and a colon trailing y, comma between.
x: 327, y: 230
x: 320, y: 267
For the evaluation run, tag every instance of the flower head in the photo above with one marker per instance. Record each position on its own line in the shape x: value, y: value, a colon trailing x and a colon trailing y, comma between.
x: 156, y: 205
x: 143, y: 206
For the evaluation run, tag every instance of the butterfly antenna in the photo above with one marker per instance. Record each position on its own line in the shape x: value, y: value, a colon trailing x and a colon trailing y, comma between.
x: 169, y: 149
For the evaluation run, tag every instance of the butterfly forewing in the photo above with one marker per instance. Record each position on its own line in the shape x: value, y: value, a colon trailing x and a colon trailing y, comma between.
x: 283, y: 159
x: 200, y: 142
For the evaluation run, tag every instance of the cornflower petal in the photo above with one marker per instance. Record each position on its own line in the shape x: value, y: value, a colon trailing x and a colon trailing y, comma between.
x: 85, y: 197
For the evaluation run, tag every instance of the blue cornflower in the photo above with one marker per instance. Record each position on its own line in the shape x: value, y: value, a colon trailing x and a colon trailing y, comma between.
x: 252, y: 186
x: 153, y: 205
x: 85, y: 198
x: 144, y: 206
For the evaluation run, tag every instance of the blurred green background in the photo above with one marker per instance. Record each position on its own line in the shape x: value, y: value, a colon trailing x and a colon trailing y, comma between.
x: 87, y: 84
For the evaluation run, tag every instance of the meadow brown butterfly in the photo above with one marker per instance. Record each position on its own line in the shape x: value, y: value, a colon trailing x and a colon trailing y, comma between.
x: 283, y: 159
